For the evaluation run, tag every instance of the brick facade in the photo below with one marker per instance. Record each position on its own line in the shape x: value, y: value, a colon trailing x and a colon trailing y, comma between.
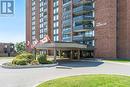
x: 112, y: 26
x: 123, y: 29
x: 105, y: 32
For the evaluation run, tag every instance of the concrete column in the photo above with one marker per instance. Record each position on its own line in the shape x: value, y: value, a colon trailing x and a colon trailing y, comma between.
x: 71, y: 55
x: 47, y: 51
x: 60, y: 53
x: 54, y: 54
x: 78, y: 54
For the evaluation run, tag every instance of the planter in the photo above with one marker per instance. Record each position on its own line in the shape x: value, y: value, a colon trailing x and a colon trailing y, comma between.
x: 10, y: 66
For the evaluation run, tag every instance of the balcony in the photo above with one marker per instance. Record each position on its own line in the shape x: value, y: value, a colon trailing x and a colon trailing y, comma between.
x: 83, y: 13
x: 83, y: 8
x: 76, y: 1
x: 66, y: 31
x: 66, y: 13
x: 68, y: 21
x: 66, y: 2
x: 85, y: 3
x: 82, y: 28
x: 66, y: 39
x: 83, y: 17
x: 82, y: 38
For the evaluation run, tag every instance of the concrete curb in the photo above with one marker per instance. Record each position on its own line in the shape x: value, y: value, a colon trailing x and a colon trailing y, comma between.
x: 63, y: 67
x: 6, y: 66
x: 92, y: 60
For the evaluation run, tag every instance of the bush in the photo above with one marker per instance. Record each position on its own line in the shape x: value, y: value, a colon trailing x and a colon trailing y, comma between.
x: 49, y: 62
x: 35, y: 62
x: 42, y: 59
x: 19, y: 62
x: 28, y: 56
x: 23, y: 59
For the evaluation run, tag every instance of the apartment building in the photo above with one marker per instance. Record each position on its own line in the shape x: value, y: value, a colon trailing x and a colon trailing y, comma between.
x: 102, y: 25
x: 7, y: 49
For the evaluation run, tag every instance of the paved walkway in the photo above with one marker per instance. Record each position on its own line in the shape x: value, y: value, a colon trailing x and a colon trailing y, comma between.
x: 31, y: 77
x: 125, y: 63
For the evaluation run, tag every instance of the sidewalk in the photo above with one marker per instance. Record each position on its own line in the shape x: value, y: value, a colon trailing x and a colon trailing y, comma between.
x: 4, y: 60
x: 125, y: 63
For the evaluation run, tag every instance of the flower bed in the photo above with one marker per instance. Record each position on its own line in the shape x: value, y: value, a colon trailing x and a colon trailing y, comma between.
x: 28, y: 60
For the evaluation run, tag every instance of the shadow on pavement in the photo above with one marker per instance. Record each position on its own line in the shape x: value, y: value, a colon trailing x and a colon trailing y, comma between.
x: 79, y: 63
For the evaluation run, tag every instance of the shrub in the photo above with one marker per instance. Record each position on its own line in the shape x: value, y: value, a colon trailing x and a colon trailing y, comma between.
x: 28, y: 56
x: 49, y: 62
x: 42, y: 59
x: 19, y: 62
x: 35, y: 62
x: 23, y: 59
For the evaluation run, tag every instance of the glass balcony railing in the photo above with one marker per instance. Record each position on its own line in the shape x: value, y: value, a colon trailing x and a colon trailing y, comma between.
x: 67, y: 21
x: 66, y: 31
x: 83, y: 8
x: 83, y: 37
x: 83, y: 17
x: 77, y: 1
x: 67, y: 13
x: 66, y: 2
x: 82, y: 28
x: 66, y: 39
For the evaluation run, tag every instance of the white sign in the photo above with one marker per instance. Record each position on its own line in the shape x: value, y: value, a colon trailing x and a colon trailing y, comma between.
x: 101, y: 24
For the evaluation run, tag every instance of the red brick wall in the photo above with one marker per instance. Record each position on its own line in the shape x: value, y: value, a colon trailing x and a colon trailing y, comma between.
x: 60, y: 20
x: 128, y: 27
x: 28, y: 22
x: 105, y: 35
x: 50, y: 19
x: 124, y: 29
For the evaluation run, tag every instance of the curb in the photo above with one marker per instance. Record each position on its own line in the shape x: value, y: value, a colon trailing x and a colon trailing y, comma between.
x: 63, y: 67
x: 93, y: 60
x: 4, y: 65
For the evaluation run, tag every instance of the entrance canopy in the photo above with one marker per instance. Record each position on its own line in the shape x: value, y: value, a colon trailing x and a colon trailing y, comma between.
x: 60, y: 46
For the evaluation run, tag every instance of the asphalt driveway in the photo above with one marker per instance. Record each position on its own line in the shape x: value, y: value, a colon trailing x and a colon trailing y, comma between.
x: 32, y: 77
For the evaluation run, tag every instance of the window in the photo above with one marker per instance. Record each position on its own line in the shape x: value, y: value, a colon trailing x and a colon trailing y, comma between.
x: 56, y: 24
x: 56, y: 3
x: 56, y: 17
x: 56, y: 10
x: 56, y: 38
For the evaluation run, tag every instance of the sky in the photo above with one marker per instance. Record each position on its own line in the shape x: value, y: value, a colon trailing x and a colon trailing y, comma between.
x: 12, y: 28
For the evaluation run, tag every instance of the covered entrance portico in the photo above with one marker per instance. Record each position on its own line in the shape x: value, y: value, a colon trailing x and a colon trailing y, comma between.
x: 62, y: 46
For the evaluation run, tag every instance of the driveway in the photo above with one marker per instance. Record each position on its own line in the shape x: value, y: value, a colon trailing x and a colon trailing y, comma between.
x: 32, y: 77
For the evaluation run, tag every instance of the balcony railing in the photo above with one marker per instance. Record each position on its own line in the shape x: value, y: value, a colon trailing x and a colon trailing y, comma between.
x: 82, y: 28
x: 66, y: 39
x: 76, y: 2
x: 83, y: 17
x: 68, y: 21
x: 83, y: 8
x: 66, y: 31
x: 82, y: 38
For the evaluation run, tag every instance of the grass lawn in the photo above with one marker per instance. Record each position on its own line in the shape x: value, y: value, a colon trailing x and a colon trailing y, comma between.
x: 89, y: 81
x: 120, y: 60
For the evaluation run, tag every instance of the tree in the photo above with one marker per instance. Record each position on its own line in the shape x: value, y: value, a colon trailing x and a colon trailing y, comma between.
x: 20, y: 47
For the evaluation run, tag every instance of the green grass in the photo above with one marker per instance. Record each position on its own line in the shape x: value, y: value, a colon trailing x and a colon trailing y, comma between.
x: 120, y: 60
x: 89, y: 81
